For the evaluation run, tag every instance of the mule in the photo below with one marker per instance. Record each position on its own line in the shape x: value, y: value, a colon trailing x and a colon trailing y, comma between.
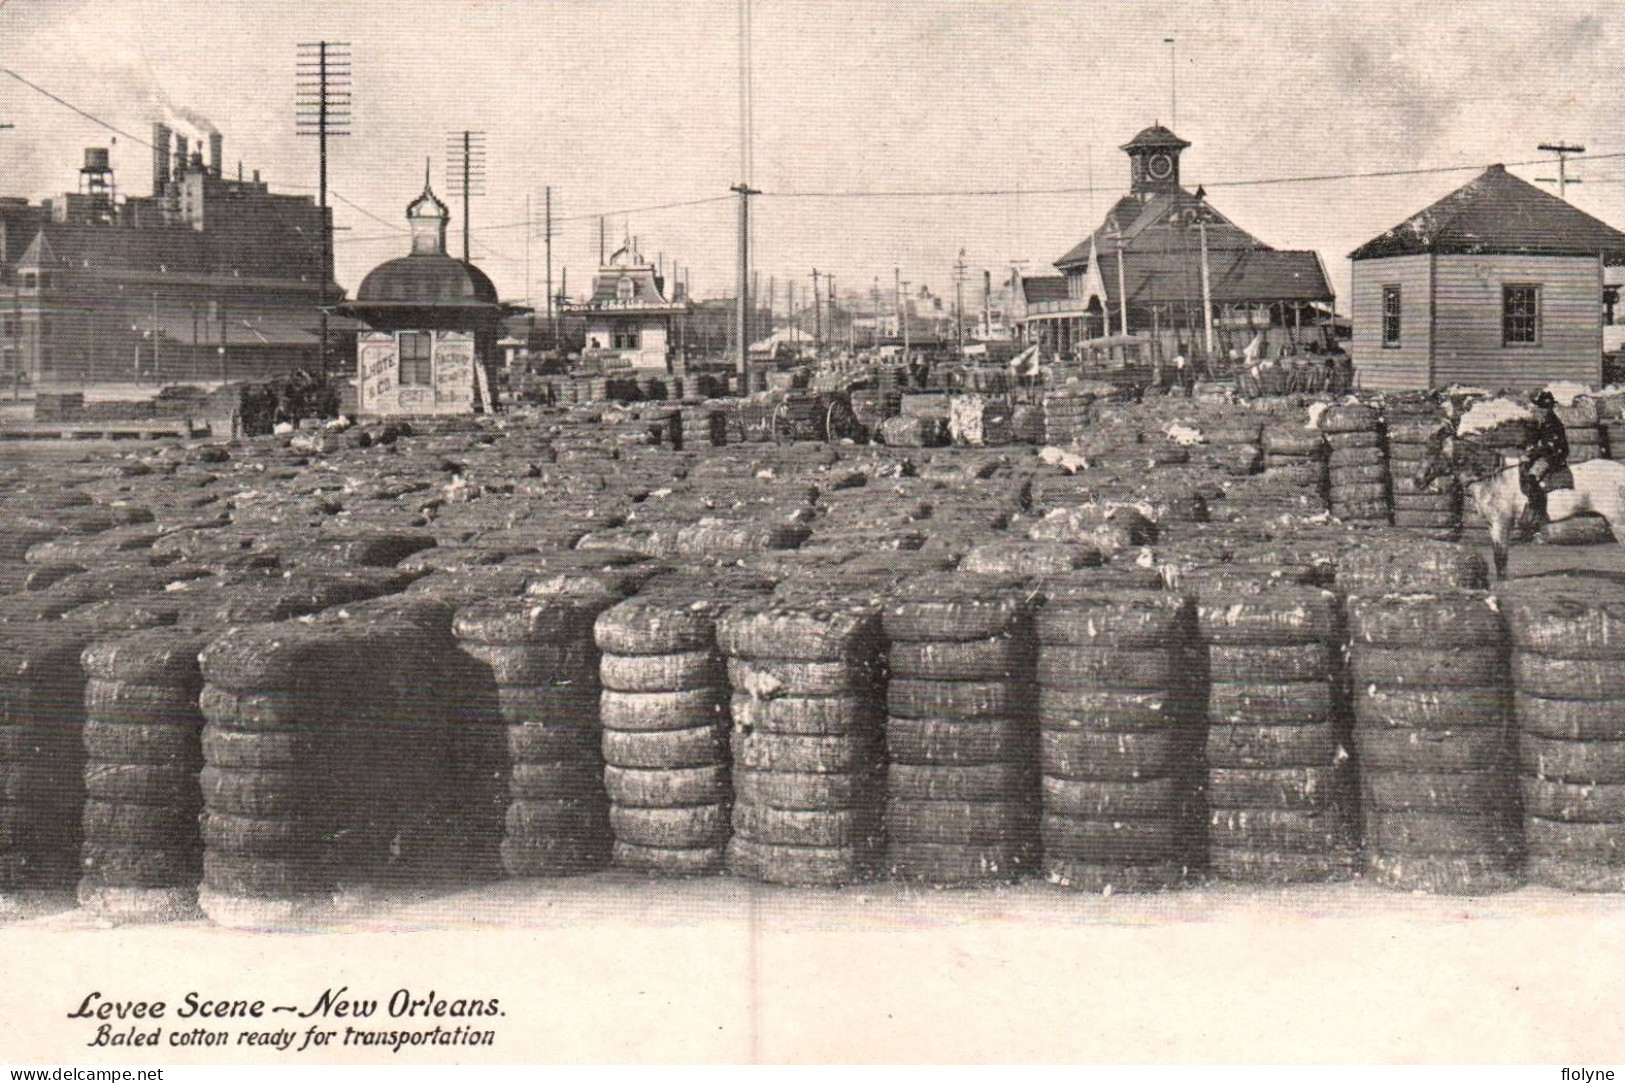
x: 1492, y: 485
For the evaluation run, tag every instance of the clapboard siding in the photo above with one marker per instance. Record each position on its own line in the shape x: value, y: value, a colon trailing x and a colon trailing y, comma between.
x: 1467, y: 321
x: 1401, y: 369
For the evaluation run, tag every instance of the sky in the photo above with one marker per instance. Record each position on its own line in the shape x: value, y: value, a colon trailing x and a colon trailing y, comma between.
x: 627, y: 104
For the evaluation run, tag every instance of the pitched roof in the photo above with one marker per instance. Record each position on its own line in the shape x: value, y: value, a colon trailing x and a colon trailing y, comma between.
x: 1155, y: 136
x: 178, y: 249
x: 1160, y: 224
x: 1237, y: 276
x: 1497, y: 212
x: 1043, y: 287
x: 606, y: 286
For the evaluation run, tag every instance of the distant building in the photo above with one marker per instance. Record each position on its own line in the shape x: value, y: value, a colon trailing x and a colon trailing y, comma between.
x: 629, y: 319
x: 432, y: 326
x: 1498, y: 284
x: 1149, y: 248
x: 208, y: 278
x: 1031, y: 297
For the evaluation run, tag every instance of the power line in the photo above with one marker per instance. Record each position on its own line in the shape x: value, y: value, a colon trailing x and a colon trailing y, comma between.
x: 1093, y: 189
x: 574, y: 217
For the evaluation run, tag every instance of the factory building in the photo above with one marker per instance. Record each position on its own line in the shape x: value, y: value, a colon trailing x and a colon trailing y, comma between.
x: 208, y: 278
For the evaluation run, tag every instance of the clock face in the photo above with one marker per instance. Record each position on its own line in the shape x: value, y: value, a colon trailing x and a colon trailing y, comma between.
x: 1160, y: 166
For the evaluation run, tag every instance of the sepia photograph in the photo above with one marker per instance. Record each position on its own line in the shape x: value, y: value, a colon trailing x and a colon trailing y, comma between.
x: 808, y: 532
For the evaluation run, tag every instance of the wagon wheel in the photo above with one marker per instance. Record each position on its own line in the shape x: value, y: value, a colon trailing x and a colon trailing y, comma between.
x: 841, y: 423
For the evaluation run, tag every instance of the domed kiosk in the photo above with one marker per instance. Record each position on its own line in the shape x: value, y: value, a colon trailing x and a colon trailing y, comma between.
x: 432, y: 326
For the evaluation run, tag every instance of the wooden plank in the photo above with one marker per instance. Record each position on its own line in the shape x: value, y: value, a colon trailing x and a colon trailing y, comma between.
x: 1380, y: 368
x: 1470, y: 348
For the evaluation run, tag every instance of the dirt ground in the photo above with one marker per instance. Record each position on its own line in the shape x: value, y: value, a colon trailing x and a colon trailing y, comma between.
x: 612, y: 967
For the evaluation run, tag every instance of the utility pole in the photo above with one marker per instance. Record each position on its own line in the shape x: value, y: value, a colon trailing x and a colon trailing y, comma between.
x: 465, y: 173
x: 1173, y: 81
x: 1562, y: 150
x: 874, y: 312
x: 547, y: 245
x: 987, y: 304
x: 790, y: 300
x: 959, y: 302
x: 323, y: 95
x: 818, y: 321
x: 745, y: 192
x: 601, y: 252
x: 902, y: 311
x: 742, y: 316
x: 1207, y: 285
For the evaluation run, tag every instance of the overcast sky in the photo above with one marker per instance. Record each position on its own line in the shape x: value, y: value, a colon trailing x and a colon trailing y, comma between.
x: 628, y: 103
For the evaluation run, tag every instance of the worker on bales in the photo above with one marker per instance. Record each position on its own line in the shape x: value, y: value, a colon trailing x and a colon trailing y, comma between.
x: 1546, y: 453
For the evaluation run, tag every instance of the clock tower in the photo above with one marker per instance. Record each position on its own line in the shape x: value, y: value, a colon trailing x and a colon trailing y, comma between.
x: 1154, y: 161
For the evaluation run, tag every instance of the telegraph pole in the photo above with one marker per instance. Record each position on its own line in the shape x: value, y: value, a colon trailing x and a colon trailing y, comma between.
x: 959, y: 302
x: 465, y: 173
x: 1207, y: 285
x: 818, y: 320
x: 902, y: 311
x: 322, y: 85
x: 547, y: 242
x: 1173, y: 81
x: 742, y: 316
x: 874, y: 311
x: 1562, y: 150
x: 745, y: 191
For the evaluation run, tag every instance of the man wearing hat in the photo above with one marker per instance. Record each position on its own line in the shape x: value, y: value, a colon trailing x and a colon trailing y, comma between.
x: 1546, y: 453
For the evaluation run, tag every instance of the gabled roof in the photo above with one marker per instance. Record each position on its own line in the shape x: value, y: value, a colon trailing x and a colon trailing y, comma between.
x: 1499, y: 213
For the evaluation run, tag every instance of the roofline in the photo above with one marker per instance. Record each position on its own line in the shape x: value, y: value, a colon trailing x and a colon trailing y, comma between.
x: 1613, y: 259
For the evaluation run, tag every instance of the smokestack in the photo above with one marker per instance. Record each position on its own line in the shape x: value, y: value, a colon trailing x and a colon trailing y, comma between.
x: 217, y: 153
x: 180, y: 156
x: 160, y: 157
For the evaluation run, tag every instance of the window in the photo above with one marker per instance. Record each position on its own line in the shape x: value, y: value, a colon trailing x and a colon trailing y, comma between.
x: 417, y: 370
x: 1390, y: 317
x: 1520, y: 315
x: 625, y: 289
x: 626, y: 338
x: 30, y: 280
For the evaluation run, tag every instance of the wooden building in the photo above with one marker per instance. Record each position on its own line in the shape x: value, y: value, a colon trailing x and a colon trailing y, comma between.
x: 1145, y: 265
x: 432, y: 326
x: 1497, y: 285
x: 629, y: 318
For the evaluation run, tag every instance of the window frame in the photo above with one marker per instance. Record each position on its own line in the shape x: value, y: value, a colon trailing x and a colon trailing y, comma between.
x: 1535, y: 318
x: 1397, y: 316
x: 413, y: 370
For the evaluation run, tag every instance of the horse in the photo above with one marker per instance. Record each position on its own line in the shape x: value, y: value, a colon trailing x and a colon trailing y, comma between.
x: 1599, y: 487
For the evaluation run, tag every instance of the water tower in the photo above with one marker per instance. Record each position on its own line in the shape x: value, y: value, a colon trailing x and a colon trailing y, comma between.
x: 96, y: 183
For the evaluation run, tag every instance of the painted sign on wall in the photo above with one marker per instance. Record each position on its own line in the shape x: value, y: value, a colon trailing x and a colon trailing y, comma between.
x: 454, y: 369
x: 377, y: 367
